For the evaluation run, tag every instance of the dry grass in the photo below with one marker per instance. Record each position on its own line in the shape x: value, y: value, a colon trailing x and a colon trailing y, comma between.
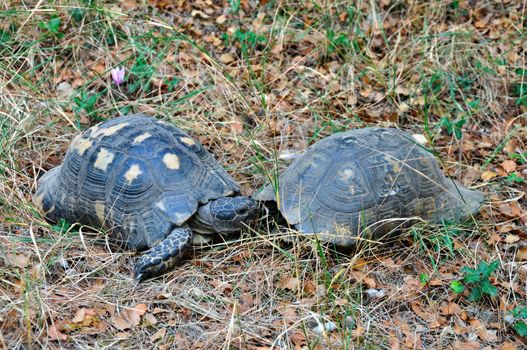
x: 284, y: 78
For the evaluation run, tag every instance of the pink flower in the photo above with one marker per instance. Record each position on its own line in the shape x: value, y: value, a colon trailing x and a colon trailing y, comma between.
x: 118, y: 75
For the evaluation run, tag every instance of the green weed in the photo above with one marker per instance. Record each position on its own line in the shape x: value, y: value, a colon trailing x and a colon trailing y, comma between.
x: 520, y: 314
x: 477, y: 280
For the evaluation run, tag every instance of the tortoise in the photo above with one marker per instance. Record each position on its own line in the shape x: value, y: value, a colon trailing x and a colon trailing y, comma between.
x: 366, y: 183
x: 150, y: 184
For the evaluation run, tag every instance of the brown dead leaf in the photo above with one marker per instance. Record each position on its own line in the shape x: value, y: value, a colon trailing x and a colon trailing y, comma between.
x: 488, y: 335
x: 99, y: 68
x: 362, y: 277
x: 511, y: 209
x: 128, y: 4
x: 494, y: 238
x: 140, y: 309
x: 221, y: 19
x: 123, y: 335
x: 359, y: 331
x: 298, y: 338
x: 227, y: 58
x: 508, y: 346
x: 150, y: 318
x: 289, y: 282
x: 522, y: 254
x: 83, y: 314
x: 509, y: 166
x: 17, y: 260
x: 487, y: 175
x: 129, y: 317
x: 55, y: 334
x: 425, y: 315
x: 121, y: 322
x: 158, y: 335
x: 237, y: 127
x: 473, y: 345
x: 310, y: 287
x: 510, y: 239
x: 224, y: 287
x: 450, y: 309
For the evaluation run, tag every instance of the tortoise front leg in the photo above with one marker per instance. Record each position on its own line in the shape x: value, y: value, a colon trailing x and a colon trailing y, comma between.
x: 164, y: 255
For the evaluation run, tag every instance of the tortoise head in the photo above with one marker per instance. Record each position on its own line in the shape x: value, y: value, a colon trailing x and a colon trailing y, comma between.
x: 227, y: 214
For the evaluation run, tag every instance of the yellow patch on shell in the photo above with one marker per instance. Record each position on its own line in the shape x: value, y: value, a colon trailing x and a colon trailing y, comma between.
x: 132, y: 173
x: 96, y: 132
x: 180, y: 216
x: 99, y: 210
x: 188, y: 141
x: 171, y: 161
x: 161, y: 205
x: 141, y: 138
x: 346, y: 174
x: 81, y: 144
x: 38, y: 201
x: 394, y: 162
x: 104, y: 158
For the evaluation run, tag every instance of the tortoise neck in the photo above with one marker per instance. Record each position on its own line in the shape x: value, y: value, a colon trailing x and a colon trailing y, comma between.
x: 201, y: 222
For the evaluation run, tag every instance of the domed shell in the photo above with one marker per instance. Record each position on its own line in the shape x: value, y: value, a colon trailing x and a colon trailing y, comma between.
x: 135, y: 174
x: 367, y: 182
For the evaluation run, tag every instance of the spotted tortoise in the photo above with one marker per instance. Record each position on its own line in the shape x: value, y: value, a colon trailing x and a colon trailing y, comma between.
x: 365, y: 183
x: 150, y: 184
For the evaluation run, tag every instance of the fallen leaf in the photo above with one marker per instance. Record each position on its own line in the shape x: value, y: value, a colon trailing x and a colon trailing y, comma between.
x: 82, y: 314
x: 522, y: 254
x: 237, y: 127
x: 159, y: 334
x: 120, y: 322
x: 473, y: 345
x: 494, y: 238
x: 150, y: 318
x: 511, y: 209
x: 17, y: 260
x: 221, y: 19
x: 488, y: 335
x: 122, y: 335
x: 199, y: 13
x: 310, y: 287
x: 129, y: 317
x: 425, y: 315
x: 510, y: 239
x: 55, y: 334
x: 99, y: 68
x: 359, y: 331
x: 508, y: 346
x: 362, y: 277
x: 487, y: 175
x: 509, y: 166
x: 289, y: 282
x: 227, y: 58
x: 140, y: 309
x: 129, y: 4
x: 451, y: 309
x: 298, y: 338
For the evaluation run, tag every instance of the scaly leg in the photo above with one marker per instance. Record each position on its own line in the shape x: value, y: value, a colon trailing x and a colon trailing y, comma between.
x: 164, y: 255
